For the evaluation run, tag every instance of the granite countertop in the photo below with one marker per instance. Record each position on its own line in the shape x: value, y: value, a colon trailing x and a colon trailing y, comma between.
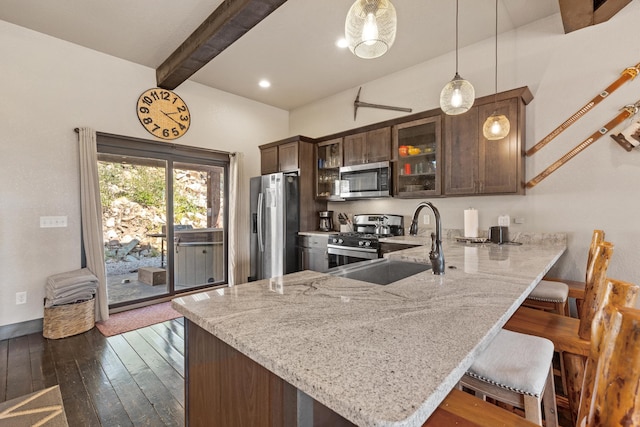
x: 377, y: 355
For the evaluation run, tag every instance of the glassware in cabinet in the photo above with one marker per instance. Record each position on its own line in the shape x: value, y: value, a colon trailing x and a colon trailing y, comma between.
x: 417, y: 152
x: 328, y: 163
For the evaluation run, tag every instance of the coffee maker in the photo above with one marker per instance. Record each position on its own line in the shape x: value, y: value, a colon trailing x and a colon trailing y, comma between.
x: 326, y: 220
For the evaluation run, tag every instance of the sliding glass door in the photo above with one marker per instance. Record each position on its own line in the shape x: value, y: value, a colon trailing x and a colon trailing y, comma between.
x: 134, y: 209
x: 141, y: 186
x: 198, y: 215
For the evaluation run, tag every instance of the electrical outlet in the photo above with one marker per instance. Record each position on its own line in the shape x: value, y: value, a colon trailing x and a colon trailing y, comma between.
x: 21, y: 298
x: 426, y: 219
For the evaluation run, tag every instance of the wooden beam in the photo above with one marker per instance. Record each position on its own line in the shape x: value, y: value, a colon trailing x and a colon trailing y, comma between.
x: 230, y: 21
x: 608, y: 9
x: 577, y: 14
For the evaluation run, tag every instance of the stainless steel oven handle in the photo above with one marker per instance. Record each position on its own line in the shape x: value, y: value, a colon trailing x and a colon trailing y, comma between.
x: 260, y: 229
x: 351, y: 249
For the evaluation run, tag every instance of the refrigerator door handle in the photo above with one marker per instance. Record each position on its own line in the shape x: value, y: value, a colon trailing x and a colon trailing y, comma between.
x: 260, y: 229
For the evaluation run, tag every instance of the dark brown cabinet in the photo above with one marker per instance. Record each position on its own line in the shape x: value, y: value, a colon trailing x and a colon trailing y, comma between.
x: 417, y: 152
x: 269, y: 160
x: 367, y: 147
x: 477, y: 166
x: 296, y: 154
x: 288, y: 157
x: 280, y: 158
x: 450, y: 156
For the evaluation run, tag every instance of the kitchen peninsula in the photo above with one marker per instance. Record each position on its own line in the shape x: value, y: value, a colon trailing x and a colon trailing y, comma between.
x: 311, y: 349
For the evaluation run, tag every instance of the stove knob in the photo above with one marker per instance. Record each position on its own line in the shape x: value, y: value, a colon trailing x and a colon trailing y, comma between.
x: 367, y: 243
x: 334, y: 240
x: 340, y: 241
x: 360, y: 243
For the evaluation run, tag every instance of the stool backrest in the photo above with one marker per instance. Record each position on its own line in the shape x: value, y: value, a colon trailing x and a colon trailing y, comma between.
x: 616, y: 294
x: 615, y: 400
x: 596, y: 275
x: 596, y: 239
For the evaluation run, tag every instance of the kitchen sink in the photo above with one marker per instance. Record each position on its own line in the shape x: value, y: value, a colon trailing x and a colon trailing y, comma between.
x: 381, y: 271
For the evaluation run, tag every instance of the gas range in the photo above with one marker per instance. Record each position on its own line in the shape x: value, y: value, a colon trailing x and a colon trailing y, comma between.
x: 363, y: 242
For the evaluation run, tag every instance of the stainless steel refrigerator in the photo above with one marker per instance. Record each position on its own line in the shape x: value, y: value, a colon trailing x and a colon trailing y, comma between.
x: 275, y: 218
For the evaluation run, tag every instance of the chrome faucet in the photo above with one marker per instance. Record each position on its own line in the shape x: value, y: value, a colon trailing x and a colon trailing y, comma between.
x: 436, y: 255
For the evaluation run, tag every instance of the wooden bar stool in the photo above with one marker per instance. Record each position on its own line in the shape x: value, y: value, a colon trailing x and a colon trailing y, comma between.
x: 464, y: 410
x: 563, y: 331
x: 610, y: 383
x: 604, y: 323
x: 516, y: 369
x: 552, y: 294
x: 615, y: 378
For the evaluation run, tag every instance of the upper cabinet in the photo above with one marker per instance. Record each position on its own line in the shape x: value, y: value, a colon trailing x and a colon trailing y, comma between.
x: 432, y: 154
x: 475, y: 165
x: 296, y: 154
x: 280, y: 158
x: 367, y: 147
x: 417, y: 150
x: 328, y: 162
x: 269, y: 160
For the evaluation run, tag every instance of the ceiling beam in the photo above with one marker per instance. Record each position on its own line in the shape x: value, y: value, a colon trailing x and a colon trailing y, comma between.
x: 230, y: 21
x: 577, y: 14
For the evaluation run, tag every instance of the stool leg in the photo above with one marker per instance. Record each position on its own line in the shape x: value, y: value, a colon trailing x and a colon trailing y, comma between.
x: 532, y: 409
x: 549, y: 402
x: 574, y: 369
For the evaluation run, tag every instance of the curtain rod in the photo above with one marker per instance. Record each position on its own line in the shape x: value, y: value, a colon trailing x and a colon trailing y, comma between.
x: 112, y: 135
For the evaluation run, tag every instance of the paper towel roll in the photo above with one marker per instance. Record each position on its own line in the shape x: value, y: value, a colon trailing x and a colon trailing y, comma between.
x: 470, y: 222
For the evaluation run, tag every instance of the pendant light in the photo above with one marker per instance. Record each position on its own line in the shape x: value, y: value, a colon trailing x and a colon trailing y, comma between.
x: 496, y: 126
x: 458, y: 95
x: 370, y: 28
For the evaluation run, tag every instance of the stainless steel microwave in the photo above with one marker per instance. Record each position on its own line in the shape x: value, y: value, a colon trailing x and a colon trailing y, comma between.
x: 369, y: 180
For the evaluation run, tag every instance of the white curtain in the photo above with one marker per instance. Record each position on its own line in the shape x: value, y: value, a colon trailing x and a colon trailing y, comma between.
x: 91, y: 211
x: 238, y: 222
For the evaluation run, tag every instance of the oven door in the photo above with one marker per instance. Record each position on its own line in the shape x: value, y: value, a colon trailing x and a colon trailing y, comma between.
x: 339, y: 255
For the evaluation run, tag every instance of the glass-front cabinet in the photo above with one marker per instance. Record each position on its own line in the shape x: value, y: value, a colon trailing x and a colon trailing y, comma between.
x: 328, y: 162
x: 417, y: 154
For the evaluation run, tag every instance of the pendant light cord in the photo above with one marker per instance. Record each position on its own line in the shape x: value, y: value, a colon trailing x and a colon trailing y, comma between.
x: 457, y: 37
x: 495, y: 99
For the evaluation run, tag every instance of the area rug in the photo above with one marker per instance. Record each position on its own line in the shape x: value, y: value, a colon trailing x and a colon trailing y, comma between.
x: 42, y: 408
x: 135, y: 319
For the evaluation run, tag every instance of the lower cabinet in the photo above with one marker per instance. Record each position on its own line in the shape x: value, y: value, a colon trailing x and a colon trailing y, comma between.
x: 224, y: 387
x: 313, y: 253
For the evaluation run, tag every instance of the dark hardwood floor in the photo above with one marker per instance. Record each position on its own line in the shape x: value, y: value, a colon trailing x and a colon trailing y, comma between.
x: 133, y: 379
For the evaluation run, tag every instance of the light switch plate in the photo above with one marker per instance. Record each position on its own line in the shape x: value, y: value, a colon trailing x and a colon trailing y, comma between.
x: 53, y: 221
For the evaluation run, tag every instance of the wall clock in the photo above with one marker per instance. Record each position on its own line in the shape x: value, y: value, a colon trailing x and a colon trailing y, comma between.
x: 163, y: 113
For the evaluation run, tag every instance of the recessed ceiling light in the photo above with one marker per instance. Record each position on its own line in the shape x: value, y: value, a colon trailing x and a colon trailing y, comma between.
x: 342, y: 43
x: 265, y: 83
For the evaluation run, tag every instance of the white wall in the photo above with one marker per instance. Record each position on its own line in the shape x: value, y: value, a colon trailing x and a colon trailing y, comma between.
x: 596, y: 189
x: 48, y: 88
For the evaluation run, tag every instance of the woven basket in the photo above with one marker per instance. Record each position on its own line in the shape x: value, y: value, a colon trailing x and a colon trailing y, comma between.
x: 69, y: 319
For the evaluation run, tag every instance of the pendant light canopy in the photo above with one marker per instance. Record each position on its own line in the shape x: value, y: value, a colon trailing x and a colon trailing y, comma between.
x: 496, y: 126
x: 458, y: 95
x: 370, y: 28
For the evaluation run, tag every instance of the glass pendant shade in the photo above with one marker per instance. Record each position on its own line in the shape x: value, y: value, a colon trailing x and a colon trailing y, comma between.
x: 496, y: 127
x: 370, y: 28
x: 457, y: 96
